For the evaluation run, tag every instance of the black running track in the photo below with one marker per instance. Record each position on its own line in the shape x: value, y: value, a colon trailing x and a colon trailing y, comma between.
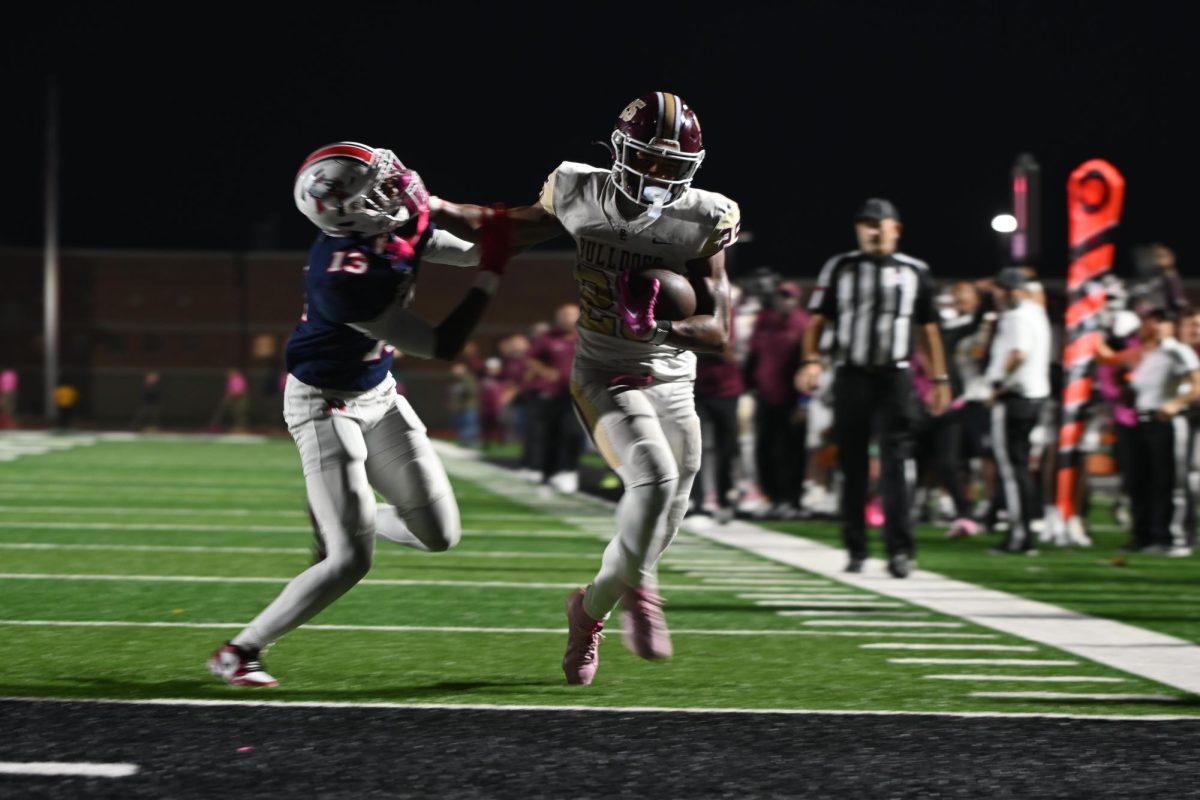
x: 267, y: 752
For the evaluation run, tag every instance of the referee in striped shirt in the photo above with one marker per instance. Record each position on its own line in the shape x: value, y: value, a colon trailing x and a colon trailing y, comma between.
x: 877, y: 302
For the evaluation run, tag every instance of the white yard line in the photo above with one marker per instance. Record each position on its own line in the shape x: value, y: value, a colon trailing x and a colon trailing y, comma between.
x: 45, y: 623
x: 81, y: 769
x: 848, y: 613
x: 220, y: 579
x: 805, y: 596
x: 757, y: 582
x: 610, y: 710
x: 841, y: 623
x: 380, y: 551
x: 1097, y: 697
x: 826, y: 604
x: 1026, y: 678
x: 993, y: 662
x: 1012, y: 648
x: 135, y: 527
x: 1156, y: 656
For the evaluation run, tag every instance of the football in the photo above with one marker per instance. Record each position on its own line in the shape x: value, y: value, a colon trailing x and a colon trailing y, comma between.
x: 676, y: 297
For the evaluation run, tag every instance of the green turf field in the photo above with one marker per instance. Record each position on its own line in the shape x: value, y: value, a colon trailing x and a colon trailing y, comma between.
x: 123, y: 563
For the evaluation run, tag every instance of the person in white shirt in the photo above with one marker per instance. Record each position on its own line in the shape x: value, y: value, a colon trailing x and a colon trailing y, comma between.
x: 1165, y: 380
x: 1019, y: 375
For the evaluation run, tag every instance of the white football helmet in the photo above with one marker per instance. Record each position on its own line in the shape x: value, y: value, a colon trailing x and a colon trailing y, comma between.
x: 347, y: 188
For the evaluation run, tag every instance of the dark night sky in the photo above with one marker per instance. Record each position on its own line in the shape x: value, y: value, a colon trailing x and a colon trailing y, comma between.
x: 187, y: 135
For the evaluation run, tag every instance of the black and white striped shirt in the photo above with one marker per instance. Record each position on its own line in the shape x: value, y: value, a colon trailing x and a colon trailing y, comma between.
x: 874, y: 305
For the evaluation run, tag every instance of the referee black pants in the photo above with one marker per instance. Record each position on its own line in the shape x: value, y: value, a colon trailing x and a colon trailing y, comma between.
x: 1013, y: 420
x: 882, y: 400
x: 1158, y: 495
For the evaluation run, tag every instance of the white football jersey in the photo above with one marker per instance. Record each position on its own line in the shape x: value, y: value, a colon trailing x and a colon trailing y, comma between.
x: 697, y: 225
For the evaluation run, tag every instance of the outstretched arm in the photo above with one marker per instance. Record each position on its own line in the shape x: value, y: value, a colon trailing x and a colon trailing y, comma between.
x: 411, y: 334
x: 530, y: 224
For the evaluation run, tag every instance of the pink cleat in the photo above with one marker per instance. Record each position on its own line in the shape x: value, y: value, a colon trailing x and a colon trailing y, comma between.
x: 874, y: 513
x: 240, y: 667
x: 643, y: 626
x: 962, y: 528
x: 583, y: 642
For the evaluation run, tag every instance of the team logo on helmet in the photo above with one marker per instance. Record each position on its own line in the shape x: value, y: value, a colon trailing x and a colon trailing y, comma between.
x: 657, y: 149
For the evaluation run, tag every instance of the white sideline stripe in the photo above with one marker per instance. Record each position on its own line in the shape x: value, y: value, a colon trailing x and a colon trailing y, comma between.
x: 1012, y: 648
x: 1161, y: 658
x: 384, y: 551
x: 74, y: 768
x: 891, y: 624
x: 833, y: 613
x: 53, y: 623
x: 993, y: 662
x: 1113, y: 698
x: 575, y: 709
x: 1026, y: 678
x: 827, y: 603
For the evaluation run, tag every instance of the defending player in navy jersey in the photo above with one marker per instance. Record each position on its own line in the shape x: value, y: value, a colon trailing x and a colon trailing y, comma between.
x: 633, y: 375
x: 357, y: 436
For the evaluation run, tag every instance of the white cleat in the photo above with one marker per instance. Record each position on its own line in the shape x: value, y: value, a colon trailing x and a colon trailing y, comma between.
x: 239, y: 667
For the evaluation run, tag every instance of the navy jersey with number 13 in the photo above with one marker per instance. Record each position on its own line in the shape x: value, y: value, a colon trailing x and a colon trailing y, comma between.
x: 347, y: 280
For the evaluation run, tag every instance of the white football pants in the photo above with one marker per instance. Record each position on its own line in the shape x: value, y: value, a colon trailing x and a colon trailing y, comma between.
x: 352, y: 443
x: 650, y: 436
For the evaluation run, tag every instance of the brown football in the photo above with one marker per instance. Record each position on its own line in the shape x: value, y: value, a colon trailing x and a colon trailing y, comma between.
x: 676, y: 297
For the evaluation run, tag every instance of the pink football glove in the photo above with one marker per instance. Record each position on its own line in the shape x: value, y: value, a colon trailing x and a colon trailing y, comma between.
x: 637, y: 307
x: 412, y: 189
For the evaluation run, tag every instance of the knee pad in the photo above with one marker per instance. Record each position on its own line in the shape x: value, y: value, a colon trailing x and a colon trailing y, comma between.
x: 650, y: 463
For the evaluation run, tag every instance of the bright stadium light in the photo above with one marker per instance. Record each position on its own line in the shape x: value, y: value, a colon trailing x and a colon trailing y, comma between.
x: 1004, y: 223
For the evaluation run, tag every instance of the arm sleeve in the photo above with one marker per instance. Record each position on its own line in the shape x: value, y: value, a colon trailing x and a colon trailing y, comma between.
x: 446, y: 248
x: 402, y: 330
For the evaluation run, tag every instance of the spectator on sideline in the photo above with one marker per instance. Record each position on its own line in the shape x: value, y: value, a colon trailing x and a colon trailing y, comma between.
x: 550, y: 357
x: 1019, y: 374
x: 234, y: 403
x: 1165, y: 381
x: 8, y: 399
x: 771, y: 364
x: 149, y: 414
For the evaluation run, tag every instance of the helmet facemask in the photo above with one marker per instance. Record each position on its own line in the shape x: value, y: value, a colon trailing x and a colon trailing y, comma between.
x: 654, y: 174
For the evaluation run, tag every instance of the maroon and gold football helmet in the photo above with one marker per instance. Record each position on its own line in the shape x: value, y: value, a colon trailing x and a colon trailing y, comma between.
x: 656, y: 149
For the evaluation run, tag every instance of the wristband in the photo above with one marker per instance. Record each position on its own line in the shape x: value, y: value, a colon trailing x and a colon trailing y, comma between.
x: 808, y: 361
x: 661, y: 329
x: 942, y: 379
x: 487, y: 282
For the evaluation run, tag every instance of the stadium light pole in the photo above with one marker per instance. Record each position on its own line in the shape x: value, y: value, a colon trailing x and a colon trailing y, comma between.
x: 50, y: 271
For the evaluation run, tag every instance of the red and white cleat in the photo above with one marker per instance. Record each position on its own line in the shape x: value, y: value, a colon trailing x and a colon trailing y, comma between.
x: 239, y: 667
x: 583, y: 642
x: 643, y: 627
